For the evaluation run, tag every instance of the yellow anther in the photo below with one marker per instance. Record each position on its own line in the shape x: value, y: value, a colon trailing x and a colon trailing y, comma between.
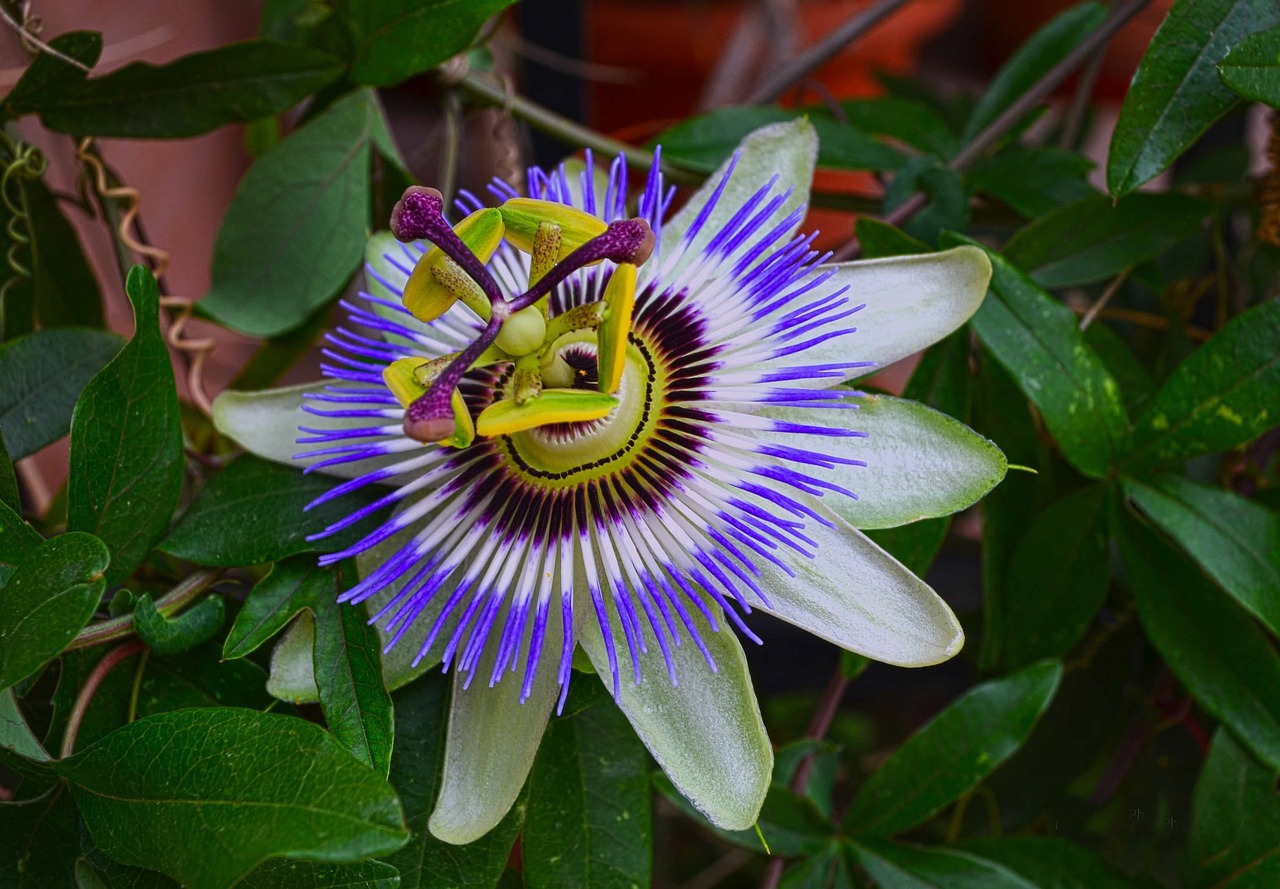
x: 552, y: 406
x: 437, y: 281
x: 409, y: 378
x: 546, y: 251
x: 523, y: 216
x: 611, y: 336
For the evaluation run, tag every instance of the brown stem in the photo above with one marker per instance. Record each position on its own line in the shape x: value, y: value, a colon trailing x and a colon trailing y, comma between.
x: 1074, y: 122
x: 823, y: 51
x: 100, y: 671
x: 828, y: 706
x: 1111, y: 290
x: 547, y: 121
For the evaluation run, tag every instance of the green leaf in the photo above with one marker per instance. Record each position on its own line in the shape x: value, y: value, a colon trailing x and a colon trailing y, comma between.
x: 1041, y: 51
x: 165, y: 635
x: 9, y: 495
x: 252, y: 512
x: 953, y: 752
x: 348, y: 671
x: 1038, y: 341
x: 15, y: 734
x: 296, y: 226
x: 426, y: 862
x: 880, y: 239
x: 1236, y: 541
x: 942, y: 379
x: 66, y: 292
x: 895, y: 866
x: 48, y: 600
x: 96, y: 871
x: 126, y: 442
x: 193, y: 95
x: 792, y: 824
x: 1058, y: 578
x: 153, y: 792
x: 588, y: 823
x: 703, y: 143
x: 38, y: 844
x: 1049, y: 862
x: 43, y: 375
x: 1097, y: 238
x: 1133, y: 376
x: 49, y: 74
x: 1221, y: 396
x: 17, y: 541
x: 197, y: 678
x: 913, y: 122
x: 919, y: 463
x: 1176, y: 93
x: 1214, y: 648
x: 1003, y: 413
x: 1033, y: 181
x: 823, y: 756
x: 1252, y: 69
x: 1235, y: 819
x: 332, y: 656
x: 395, y: 40
x: 273, y: 602
x: 281, y: 874
x: 826, y: 870
x: 948, y: 205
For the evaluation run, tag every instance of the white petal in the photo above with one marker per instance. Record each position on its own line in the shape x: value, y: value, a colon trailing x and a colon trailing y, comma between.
x: 491, y: 742
x: 911, y: 303
x: 789, y: 150
x: 706, y: 733
x: 266, y: 423
x: 388, y: 258
x: 856, y: 595
x: 921, y: 463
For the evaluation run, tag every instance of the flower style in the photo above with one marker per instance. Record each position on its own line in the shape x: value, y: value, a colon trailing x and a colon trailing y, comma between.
x: 622, y: 434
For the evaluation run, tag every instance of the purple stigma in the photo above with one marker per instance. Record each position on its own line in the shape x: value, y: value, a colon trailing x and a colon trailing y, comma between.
x: 626, y: 240
x: 419, y: 215
x: 430, y: 416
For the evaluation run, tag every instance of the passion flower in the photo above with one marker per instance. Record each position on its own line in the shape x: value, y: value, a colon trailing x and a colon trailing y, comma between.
x: 600, y: 432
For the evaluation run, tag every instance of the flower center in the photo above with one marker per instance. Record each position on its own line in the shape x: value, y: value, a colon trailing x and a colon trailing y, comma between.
x: 566, y: 372
x: 563, y: 454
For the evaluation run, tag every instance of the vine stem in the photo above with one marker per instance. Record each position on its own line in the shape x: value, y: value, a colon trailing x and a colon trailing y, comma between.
x: 823, y: 51
x: 1111, y: 289
x: 100, y: 671
x: 1023, y: 105
x: 819, y: 725
x: 170, y: 603
x: 547, y: 121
